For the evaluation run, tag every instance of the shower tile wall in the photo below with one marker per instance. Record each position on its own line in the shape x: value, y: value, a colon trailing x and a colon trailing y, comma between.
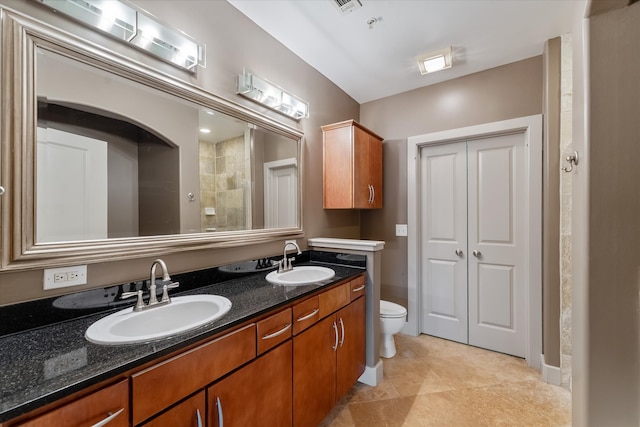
x: 566, y: 147
x: 224, y: 180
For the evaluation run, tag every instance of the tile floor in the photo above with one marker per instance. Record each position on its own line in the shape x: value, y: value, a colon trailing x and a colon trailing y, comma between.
x: 435, y: 382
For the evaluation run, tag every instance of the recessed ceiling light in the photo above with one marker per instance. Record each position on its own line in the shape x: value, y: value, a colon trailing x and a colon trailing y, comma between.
x: 435, y: 61
x: 205, y: 130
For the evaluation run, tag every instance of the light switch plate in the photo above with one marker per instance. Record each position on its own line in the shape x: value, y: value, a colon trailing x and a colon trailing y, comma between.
x: 401, y: 229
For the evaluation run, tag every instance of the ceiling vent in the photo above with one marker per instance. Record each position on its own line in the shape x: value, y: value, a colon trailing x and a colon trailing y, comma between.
x: 346, y: 6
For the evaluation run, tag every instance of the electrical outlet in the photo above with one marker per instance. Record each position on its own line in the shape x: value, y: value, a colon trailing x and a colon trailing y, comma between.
x: 401, y: 229
x: 60, y: 277
x: 64, y: 276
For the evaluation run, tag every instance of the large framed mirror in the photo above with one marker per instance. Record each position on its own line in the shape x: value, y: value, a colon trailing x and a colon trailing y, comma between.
x: 107, y: 158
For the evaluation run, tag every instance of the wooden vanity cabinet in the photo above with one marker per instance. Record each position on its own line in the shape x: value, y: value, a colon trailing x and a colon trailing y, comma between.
x: 273, y: 330
x: 110, y: 403
x: 166, y: 383
x: 258, y: 394
x: 352, y: 167
x: 288, y: 368
x: 189, y: 413
x: 350, y: 356
x: 329, y: 357
x: 305, y: 314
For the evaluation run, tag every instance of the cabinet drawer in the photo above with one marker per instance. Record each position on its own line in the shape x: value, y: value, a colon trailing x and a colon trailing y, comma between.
x: 185, y: 414
x: 334, y: 299
x: 305, y: 314
x: 112, y: 401
x: 159, y: 386
x: 358, y: 287
x: 273, y: 330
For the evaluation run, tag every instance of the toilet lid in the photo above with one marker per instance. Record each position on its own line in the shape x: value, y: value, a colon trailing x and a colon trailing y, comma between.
x: 390, y: 309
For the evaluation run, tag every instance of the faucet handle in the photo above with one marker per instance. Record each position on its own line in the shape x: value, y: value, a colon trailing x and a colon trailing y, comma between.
x: 139, y: 303
x: 165, y: 291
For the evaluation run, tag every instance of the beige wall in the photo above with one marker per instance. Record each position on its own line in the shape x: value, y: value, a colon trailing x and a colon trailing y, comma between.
x: 551, y: 203
x: 233, y: 42
x: 610, y: 376
x: 510, y: 91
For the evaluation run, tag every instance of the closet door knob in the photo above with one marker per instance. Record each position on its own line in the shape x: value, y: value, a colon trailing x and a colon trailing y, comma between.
x: 477, y: 253
x: 459, y: 252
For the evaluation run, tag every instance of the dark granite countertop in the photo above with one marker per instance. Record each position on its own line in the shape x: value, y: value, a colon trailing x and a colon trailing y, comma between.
x: 42, y: 365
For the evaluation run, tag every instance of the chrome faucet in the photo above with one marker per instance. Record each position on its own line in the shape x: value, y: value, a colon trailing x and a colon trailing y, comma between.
x: 153, y: 299
x: 283, y: 265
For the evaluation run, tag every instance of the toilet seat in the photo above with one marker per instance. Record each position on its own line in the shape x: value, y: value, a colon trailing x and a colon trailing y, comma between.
x: 389, y: 309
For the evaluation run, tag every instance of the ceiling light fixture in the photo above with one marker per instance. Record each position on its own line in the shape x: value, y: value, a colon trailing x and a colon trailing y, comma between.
x: 263, y: 92
x: 436, y: 61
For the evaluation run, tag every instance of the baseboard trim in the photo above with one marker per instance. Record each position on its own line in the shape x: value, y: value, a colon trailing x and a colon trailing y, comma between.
x: 551, y: 374
x: 372, y: 375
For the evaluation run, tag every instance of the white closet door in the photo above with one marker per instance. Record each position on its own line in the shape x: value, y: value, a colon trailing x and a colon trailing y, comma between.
x: 497, y: 246
x: 444, y: 241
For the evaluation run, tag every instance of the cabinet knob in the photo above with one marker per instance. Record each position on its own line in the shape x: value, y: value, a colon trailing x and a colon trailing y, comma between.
x: 477, y: 253
x: 459, y: 252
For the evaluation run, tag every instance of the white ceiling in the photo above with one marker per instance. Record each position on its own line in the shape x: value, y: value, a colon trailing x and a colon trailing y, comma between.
x: 372, y: 63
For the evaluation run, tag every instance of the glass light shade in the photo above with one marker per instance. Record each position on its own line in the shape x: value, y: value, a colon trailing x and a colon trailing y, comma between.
x: 263, y: 92
x: 126, y: 22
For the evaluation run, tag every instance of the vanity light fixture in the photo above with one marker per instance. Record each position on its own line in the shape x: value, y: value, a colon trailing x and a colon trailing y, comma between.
x: 263, y: 92
x: 128, y: 23
x: 205, y: 130
x: 436, y: 61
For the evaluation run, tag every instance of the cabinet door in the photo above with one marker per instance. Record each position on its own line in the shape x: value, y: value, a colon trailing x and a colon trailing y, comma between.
x: 314, y: 371
x: 351, y: 349
x: 367, y: 152
x: 258, y: 394
x: 111, y: 403
x: 362, y: 192
x: 375, y: 171
x: 190, y: 413
x: 337, y: 168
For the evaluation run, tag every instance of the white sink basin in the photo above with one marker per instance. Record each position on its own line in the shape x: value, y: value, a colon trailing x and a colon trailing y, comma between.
x: 183, y: 314
x: 304, y: 275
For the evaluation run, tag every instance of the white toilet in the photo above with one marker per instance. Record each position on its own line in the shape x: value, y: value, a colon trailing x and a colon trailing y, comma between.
x: 392, y: 319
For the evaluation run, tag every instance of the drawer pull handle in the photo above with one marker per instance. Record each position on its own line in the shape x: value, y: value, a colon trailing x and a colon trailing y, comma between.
x: 335, y: 331
x: 198, y: 418
x: 358, y: 289
x: 342, y: 329
x: 108, y: 419
x: 307, y: 316
x: 220, y: 415
x: 280, y: 332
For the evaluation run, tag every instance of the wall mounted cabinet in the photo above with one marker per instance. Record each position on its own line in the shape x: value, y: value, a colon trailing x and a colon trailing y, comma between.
x: 352, y: 167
